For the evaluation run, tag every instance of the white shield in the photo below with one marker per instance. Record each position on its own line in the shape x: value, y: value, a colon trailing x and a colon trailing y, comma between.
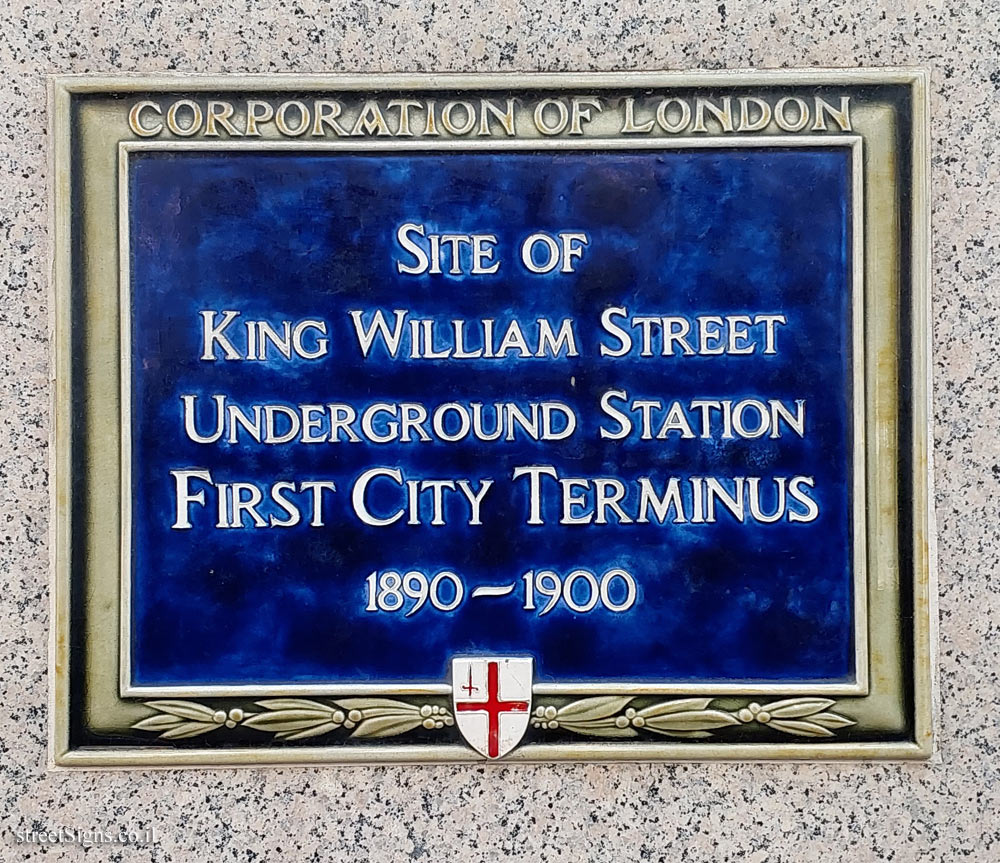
x: 492, y: 700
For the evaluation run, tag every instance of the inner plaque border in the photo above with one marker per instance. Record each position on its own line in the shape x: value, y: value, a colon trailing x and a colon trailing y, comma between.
x: 99, y: 719
x: 858, y: 516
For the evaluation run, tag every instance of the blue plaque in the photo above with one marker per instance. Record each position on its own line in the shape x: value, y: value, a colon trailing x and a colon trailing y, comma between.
x: 484, y: 424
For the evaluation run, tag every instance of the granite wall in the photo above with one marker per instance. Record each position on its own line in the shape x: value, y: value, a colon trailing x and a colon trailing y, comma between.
x: 944, y: 810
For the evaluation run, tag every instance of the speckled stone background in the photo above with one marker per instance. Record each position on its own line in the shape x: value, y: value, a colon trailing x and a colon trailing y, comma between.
x: 946, y: 810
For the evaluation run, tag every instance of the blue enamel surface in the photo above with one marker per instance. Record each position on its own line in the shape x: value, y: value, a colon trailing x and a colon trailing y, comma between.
x: 287, y: 236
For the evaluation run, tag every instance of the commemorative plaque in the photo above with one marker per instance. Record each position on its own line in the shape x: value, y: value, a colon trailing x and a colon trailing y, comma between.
x: 417, y: 418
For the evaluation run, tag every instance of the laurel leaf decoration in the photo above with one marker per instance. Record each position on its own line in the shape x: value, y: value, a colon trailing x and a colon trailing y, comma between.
x: 688, y: 718
x: 831, y: 720
x: 297, y: 718
x: 177, y: 720
x: 158, y: 722
x: 604, y: 716
x: 292, y: 704
x: 386, y: 726
x: 188, y: 729
x: 593, y: 708
x: 383, y: 717
x: 184, y: 710
x: 601, y: 728
x: 594, y: 717
x: 374, y: 704
x: 311, y: 731
x: 679, y: 705
x: 802, y: 717
x: 688, y: 721
x: 386, y: 717
x: 801, y: 727
x: 797, y: 708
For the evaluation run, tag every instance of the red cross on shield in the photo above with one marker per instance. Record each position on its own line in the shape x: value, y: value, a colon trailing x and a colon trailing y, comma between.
x: 492, y: 699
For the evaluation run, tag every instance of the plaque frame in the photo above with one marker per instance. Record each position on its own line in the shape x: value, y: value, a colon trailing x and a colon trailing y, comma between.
x: 71, y: 348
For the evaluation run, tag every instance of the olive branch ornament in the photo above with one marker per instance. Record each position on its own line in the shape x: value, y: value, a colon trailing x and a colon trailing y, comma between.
x: 298, y: 718
x: 179, y: 719
x: 610, y: 716
x: 693, y: 718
